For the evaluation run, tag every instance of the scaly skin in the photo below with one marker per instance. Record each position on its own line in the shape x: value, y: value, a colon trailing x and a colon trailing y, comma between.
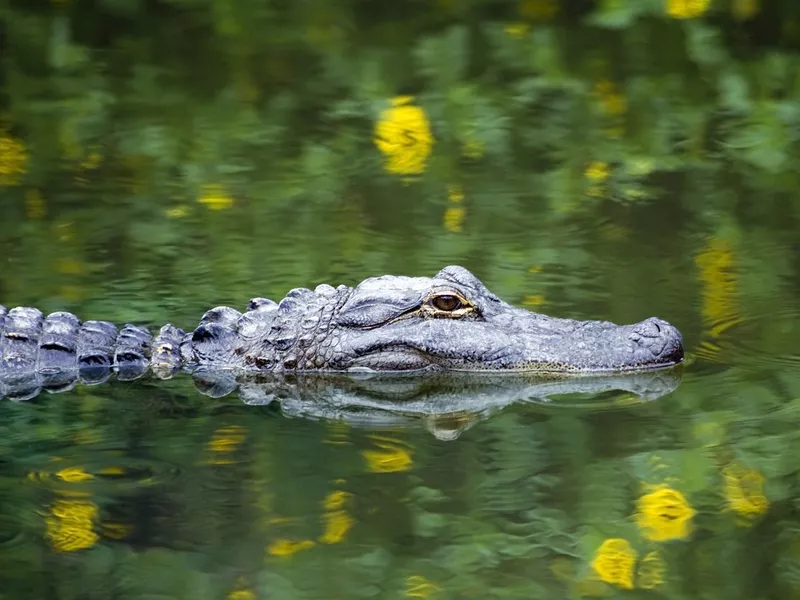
x: 450, y: 322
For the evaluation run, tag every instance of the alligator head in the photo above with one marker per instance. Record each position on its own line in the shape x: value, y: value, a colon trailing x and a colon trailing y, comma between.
x: 453, y: 322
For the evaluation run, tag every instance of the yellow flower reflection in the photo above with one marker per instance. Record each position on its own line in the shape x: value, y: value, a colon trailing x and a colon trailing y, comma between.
x: 453, y: 219
x: 337, y: 525
x: 69, y: 266
x: 224, y: 443
x: 177, y: 212
x: 455, y: 193
x: 717, y: 272
x: 112, y: 471
x: 612, y: 102
x: 473, y: 148
x: 215, y: 197
x: 70, y: 525
x: 337, y: 521
x: 454, y: 214
x: 719, y: 293
x: 74, y: 475
x: 614, y: 561
x: 686, y: 9
x: 597, y: 172
x: 652, y: 571
x: 284, y: 547
x: 13, y: 159
x: 517, y: 30
x: 744, y: 491
x: 227, y: 439
x: 533, y: 301
x: 419, y: 587
x: 664, y: 514
x: 390, y: 458
x: 403, y: 135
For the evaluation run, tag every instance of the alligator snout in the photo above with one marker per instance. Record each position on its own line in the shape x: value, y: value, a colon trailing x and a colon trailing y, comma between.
x: 660, y: 339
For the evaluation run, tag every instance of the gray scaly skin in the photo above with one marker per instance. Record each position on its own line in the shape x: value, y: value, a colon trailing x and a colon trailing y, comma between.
x: 450, y: 322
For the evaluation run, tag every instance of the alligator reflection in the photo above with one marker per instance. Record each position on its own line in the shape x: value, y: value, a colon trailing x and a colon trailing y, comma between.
x: 446, y: 403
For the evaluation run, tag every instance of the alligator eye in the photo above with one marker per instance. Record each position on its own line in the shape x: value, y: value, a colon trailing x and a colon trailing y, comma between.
x: 446, y: 303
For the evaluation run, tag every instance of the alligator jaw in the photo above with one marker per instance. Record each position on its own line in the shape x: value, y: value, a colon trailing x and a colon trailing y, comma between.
x: 591, y: 347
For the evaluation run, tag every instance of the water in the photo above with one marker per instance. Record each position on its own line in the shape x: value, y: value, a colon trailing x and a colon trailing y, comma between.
x: 205, y: 153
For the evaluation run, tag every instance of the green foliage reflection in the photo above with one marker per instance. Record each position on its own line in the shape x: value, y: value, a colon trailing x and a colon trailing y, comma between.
x: 610, y: 159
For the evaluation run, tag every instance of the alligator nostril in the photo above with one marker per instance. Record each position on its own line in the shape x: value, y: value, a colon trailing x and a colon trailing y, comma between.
x: 648, y: 328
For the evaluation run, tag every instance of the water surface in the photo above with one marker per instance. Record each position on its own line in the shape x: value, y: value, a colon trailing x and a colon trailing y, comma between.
x: 615, y: 162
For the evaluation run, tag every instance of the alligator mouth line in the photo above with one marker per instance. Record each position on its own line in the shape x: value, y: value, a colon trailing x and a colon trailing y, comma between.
x: 568, y: 370
x: 432, y: 362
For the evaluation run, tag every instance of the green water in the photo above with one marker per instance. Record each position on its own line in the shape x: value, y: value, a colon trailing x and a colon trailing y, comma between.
x: 593, y: 160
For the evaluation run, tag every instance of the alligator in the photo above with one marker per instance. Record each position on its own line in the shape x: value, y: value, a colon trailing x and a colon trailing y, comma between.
x: 450, y: 322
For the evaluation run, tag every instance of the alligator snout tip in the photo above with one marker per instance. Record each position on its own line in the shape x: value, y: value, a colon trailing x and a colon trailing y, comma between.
x: 662, y: 339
